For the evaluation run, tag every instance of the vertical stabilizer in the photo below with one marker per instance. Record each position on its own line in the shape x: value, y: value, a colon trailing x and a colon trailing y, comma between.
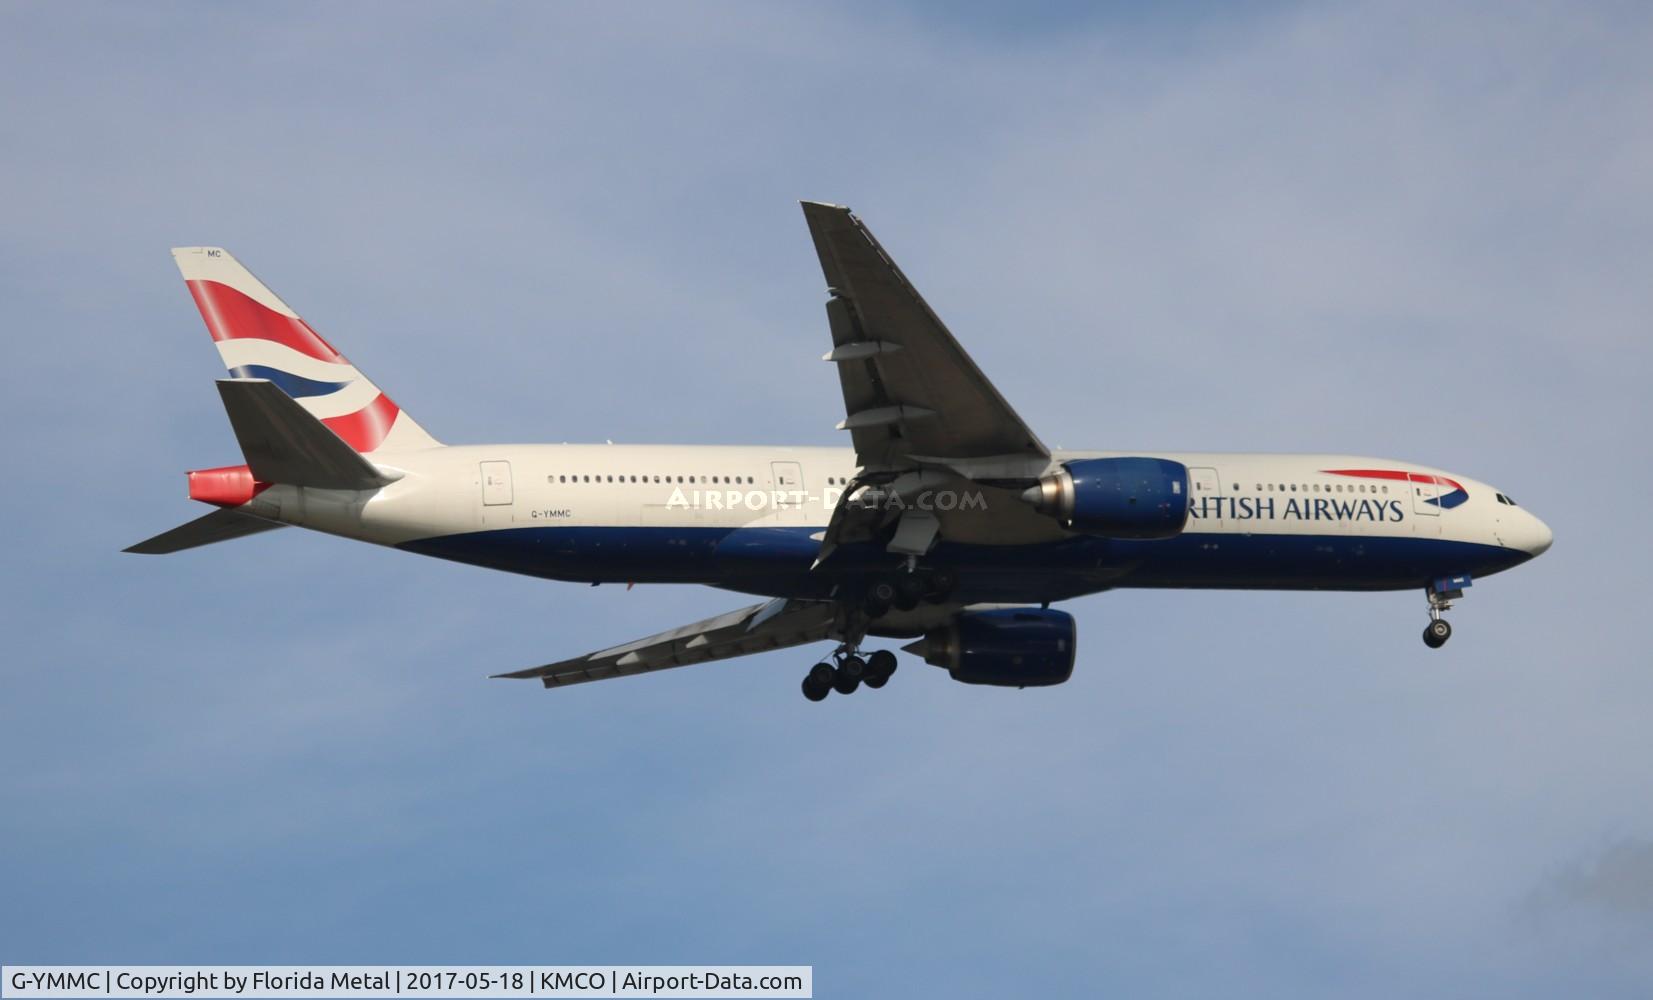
x: 260, y: 336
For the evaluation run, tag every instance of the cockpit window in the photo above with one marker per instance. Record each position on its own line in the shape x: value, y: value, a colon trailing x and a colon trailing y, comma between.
x: 1505, y: 500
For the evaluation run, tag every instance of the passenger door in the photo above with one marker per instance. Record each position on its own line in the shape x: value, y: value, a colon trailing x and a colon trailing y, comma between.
x: 1205, y: 491
x: 496, y: 494
x: 1424, y: 491
x: 788, y: 492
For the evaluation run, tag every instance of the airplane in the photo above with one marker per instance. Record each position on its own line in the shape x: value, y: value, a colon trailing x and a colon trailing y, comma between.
x: 947, y: 522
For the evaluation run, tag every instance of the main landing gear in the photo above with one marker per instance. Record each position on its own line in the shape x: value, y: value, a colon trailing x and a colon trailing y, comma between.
x: 902, y: 590
x: 905, y: 590
x: 1441, y: 594
x: 848, y: 672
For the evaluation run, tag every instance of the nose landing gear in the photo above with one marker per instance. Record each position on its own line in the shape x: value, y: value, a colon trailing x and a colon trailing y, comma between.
x: 1436, y: 633
x: 1441, y: 593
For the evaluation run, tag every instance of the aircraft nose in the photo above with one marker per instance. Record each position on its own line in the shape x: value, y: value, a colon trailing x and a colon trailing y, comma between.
x: 1541, y: 537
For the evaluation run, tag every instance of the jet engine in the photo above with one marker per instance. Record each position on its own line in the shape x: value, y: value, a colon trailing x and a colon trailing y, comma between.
x: 1006, y: 647
x: 1116, y: 497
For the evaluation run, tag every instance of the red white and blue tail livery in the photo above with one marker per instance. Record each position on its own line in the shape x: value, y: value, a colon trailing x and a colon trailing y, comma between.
x: 947, y: 521
x: 260, y: 336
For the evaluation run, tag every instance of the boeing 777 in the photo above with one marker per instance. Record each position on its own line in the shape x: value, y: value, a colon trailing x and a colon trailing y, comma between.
x: 948, y: 521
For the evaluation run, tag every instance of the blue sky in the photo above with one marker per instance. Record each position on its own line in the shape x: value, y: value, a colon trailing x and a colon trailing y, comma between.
x: 1415, y: 231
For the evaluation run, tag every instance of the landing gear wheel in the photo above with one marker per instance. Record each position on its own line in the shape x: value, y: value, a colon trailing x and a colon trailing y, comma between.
x: 909, y: 590
x: 818, y: 682
x: 851, y: 670
x: 1436, y: 633
x: 942, y: 582
x: 880, y: 666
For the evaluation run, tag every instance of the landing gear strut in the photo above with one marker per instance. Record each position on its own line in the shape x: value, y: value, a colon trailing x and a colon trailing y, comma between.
x: 1441, y: 594
x: 850, y: 672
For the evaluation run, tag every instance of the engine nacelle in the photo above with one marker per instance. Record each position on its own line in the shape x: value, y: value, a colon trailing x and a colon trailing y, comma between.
x: 1116, y: 497
x: 1006, y: 647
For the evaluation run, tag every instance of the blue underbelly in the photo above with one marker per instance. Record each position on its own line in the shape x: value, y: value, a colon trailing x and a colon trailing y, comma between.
x: 776, y: 561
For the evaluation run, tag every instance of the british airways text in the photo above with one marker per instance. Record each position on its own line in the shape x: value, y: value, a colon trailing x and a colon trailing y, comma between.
x: 1295, y: 509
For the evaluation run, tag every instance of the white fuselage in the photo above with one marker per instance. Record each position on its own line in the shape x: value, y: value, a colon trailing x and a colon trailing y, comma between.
x: 669, y: 513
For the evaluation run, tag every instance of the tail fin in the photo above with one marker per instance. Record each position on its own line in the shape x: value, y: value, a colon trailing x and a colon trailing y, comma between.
x: 259, y: 336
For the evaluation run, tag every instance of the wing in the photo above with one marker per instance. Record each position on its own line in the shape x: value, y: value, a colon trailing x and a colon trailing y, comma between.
x: 912, y: 396
x: 776, y: 624
x: 920, y: 412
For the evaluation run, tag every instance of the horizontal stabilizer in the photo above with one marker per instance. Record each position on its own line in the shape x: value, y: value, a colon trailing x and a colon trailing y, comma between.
x: 219, y: 526
x: 284, y: 443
